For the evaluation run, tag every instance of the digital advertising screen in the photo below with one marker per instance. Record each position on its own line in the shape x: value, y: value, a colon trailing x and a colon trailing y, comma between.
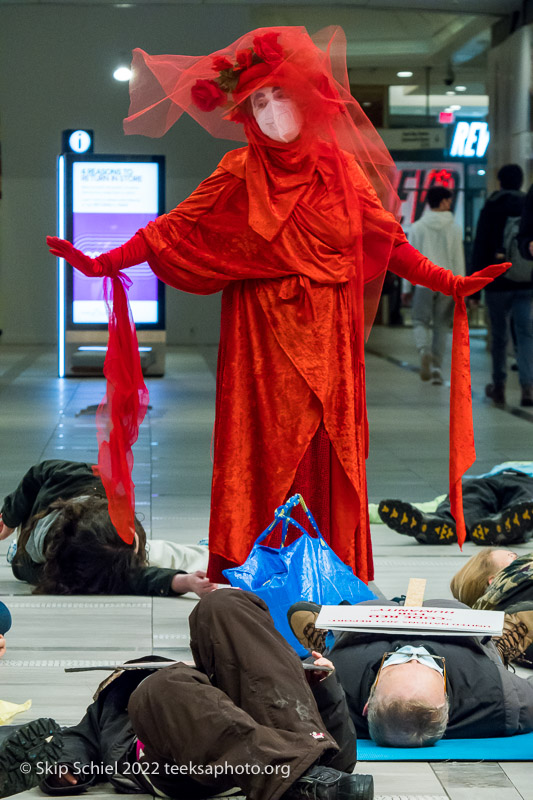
x: 414, y: 178
x: 111, y: 200
x: 103, y: 201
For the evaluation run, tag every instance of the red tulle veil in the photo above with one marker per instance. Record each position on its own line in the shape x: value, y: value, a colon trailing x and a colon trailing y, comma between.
x: 214, y: 90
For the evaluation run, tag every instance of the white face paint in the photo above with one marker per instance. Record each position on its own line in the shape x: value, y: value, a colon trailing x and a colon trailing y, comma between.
x: 276, y: 114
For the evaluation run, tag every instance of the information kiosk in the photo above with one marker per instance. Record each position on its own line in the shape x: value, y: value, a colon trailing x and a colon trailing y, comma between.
x: 103, y: 201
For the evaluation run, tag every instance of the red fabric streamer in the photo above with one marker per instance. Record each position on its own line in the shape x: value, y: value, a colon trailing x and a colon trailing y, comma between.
x: 462, y: 448
x: 122, y: 410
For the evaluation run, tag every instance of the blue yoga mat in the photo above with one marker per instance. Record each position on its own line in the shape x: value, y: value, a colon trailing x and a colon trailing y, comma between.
x: 505, y: 748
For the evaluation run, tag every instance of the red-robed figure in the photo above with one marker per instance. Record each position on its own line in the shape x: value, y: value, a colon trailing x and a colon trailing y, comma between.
x: 297, y: 230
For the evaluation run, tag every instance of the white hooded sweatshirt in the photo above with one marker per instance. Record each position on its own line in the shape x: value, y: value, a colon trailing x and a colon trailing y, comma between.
x: 438, y: 237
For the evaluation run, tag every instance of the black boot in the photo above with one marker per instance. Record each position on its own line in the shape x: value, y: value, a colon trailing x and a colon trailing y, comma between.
x: 425, y: 528
x: 325, y: 783
x: 24, y: 754
x: 496, y: 392
x: 512, y: 525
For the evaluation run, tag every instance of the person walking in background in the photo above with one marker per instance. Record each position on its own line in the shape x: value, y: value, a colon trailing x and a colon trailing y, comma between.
x: 437, y: 236
x: 507, y: 299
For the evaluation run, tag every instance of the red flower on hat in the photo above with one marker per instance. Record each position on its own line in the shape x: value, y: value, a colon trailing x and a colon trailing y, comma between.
x: 244, y: 58
x: 221, y: 63
x: 267, y: 48
x: 207, y: 95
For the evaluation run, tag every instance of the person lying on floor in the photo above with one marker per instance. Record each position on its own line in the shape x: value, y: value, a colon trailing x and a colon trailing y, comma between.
x: 67, y: 543
x: 411, y: 691
x: 244, y: 717
x: 498, y: 510
x: 497, y: 580
x: 5, y: 624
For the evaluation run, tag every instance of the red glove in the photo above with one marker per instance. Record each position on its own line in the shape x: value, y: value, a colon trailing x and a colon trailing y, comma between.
x: 408, y: 263
x: 465, y: 286
x: 63, y: 249
x: 106, y: 265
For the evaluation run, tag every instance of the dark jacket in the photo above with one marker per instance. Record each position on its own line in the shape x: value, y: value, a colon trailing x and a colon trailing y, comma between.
x: 489, y: 236
x: 525, y: 234
x: 485, y: 698
x: 54, y: 480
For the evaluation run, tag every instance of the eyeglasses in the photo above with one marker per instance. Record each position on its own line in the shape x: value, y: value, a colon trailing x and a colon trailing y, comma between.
x: 435, y: 658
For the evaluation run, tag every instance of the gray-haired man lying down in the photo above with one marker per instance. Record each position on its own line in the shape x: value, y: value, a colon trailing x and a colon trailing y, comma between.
x: 411, y: 691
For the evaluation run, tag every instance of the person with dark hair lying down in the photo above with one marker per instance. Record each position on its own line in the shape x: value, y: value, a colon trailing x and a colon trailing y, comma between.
x: 498, y: 510
x: 67, y: 543
x: 242, y: 720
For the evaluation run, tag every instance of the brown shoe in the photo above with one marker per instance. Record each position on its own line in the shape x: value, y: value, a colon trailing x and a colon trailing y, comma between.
x: 517, y: 633
x: 302, y: 617
x: 496, y: 392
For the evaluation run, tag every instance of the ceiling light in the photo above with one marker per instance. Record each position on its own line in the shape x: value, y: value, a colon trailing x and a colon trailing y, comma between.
x: 455, y: 108
x: 460, y: 88
x: 450, y: 92
x: 405, y: 74
x: 481, y: 172
x: 122, y: 74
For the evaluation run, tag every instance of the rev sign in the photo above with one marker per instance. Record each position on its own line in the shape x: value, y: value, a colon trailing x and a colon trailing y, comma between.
x: 470, y: 140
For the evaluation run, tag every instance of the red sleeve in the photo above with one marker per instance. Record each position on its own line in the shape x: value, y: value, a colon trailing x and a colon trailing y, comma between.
x: 409, y: 263
x: 135, y: 251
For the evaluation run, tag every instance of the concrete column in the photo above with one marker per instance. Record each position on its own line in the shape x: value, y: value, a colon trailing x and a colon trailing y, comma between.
x: 509, y: 85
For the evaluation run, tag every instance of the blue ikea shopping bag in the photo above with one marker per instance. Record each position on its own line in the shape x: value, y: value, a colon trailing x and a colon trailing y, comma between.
x: 307, y: 569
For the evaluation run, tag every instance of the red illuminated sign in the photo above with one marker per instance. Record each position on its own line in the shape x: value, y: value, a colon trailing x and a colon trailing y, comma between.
x: 446, y: 117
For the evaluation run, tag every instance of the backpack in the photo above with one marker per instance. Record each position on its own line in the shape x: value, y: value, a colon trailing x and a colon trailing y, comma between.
x: 521, y: 268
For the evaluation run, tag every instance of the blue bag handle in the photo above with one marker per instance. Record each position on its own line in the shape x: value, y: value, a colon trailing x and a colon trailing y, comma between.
x: 283, y: 514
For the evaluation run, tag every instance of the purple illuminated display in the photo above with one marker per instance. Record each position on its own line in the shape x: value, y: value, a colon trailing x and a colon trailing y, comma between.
x: 101, y: 221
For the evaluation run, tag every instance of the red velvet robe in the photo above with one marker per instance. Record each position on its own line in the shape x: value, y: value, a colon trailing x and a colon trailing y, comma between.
x: 291, y: 348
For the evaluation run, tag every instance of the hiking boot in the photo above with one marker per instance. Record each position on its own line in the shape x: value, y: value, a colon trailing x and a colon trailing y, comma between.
x: 527, y: 396
x: 436, y: 377
x: 407, y: 519
x: 496, y: 392
x: 326, y: 783
x: 31, y: 746
x: 508, y: 527
x: 302, y: 617
x: 517, y: 633
x: 425, y: 366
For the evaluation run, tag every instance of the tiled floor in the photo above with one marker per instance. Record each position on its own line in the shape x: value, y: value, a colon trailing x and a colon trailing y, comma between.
x: 44, y: 417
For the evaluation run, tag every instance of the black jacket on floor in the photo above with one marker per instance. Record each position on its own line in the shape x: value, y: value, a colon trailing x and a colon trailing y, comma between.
x: 54, y: 480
